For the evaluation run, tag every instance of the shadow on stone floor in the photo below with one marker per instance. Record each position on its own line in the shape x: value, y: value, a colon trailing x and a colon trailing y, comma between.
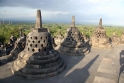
x: 78, y: 75
x: 6, y: 75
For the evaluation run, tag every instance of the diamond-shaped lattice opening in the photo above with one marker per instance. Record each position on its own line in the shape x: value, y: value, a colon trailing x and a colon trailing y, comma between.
x: 38, y: 41
x: 33, y: 50
x: 31, y: 37
x: 36, y: 38
x: 41, y: 45
x: 41, y: 38
x: 30, y: 45
x: 33, y: 41
x: 36, y: 45
x: 39, y: 49
x: 46, y: 37
x: 28, y: 49
x: 44, y: 41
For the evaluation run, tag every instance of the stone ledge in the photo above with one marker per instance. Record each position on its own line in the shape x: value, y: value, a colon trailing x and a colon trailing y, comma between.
x: 28, y: 76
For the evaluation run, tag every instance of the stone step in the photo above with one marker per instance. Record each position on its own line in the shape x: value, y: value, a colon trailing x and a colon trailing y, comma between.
x: 43, y: 70
x: 38, y: 76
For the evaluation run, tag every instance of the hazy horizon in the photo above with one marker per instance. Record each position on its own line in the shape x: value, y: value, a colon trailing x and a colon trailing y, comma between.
x: 53, y: 22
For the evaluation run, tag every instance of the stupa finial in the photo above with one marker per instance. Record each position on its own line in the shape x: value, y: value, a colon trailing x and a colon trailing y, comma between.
x: 38, y: 20
x: 73, y: 21
x: 100, y: 22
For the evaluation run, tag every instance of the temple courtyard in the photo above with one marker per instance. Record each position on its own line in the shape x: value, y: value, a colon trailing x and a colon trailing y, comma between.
x: 99, y: 66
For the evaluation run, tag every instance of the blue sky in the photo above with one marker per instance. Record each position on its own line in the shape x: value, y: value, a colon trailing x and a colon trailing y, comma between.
x: 111, y: 11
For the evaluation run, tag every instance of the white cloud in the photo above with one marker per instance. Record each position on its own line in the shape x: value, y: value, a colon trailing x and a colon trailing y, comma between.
x: 86, y: 10
x: 14, y: 12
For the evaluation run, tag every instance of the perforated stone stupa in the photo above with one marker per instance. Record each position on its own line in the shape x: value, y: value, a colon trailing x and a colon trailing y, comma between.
x: 19, y: 46
x: 99, y: 38
x: 115, y: 39
x: 74, y: 43
x: 38, y: 59
x: 59, y: 39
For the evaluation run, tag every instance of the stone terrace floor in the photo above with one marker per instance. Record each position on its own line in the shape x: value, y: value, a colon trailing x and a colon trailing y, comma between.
x: 99, y: 66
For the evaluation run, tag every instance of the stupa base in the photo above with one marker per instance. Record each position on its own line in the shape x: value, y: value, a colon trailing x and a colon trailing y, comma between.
x: 102, y: 46
x: 39, y: 76
x: 73, y: 51
x: 34, y: 66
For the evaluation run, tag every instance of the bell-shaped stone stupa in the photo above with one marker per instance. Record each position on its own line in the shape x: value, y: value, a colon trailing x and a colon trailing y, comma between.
x: 58, y: 39
x: 74, y: 43
x: 38, y: 59
x: 115, y: 39
x: 99, y: 38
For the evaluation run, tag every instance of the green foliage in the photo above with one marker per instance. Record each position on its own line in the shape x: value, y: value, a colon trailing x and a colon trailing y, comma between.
x: 7, y: 30
x: 117, y: 30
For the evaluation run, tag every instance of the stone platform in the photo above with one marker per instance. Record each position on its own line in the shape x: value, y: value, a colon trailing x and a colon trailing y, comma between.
x: 100, y: 65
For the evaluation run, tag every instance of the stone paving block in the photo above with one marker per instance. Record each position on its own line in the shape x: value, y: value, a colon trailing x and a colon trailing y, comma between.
x: 106, y: 66
x: 102, y: 80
